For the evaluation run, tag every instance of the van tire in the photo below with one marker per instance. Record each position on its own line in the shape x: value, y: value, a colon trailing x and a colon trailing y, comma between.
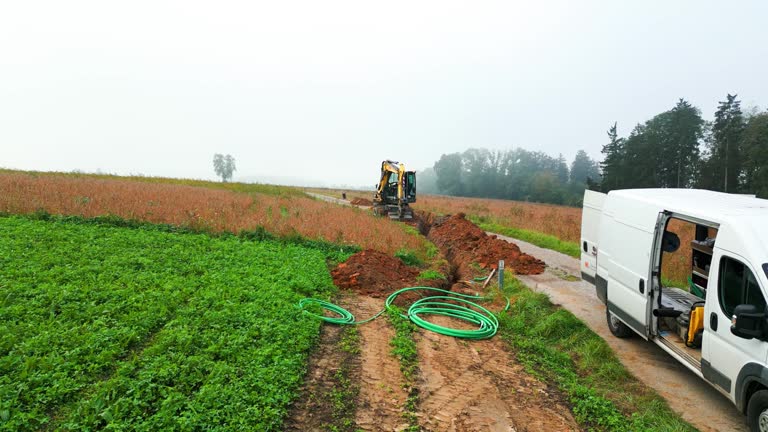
x: 618, y: 328
x: 757, y: 408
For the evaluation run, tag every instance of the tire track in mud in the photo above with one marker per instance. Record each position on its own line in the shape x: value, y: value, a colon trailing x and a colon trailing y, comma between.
x: 381, y: 398
x: 375, y: 372
x: 478, y: 386
x: 311, y: 412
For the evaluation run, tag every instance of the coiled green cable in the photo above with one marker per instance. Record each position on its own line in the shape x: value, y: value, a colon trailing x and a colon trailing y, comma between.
x: 449, y: 303
x: 345, y: 317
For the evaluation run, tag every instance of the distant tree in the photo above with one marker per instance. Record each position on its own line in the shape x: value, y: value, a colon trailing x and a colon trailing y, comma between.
x: 613, y: 160
x: 449, y: 174
x: 724, y: 165
x: 584, y: 168
x: 640, y: 161
x: 224, y: 166
x: 562, y: 170
x: 545, y: 187
x: 755, y: 147
x: 477, y: 176
x: 679, y: 135
x: 584, y: 174
x: 662, y: 152
x: 426, y: 181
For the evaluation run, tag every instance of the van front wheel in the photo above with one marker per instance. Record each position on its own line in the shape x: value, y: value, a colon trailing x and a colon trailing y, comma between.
x: 757, y: 412
x: 618, y: 328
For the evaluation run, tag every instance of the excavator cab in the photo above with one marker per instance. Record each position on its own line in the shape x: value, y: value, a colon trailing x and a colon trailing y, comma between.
x: 410, y: 186
x: 395, y: 190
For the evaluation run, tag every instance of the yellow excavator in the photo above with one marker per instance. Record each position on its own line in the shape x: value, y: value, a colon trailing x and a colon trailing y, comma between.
x: 395, y: 190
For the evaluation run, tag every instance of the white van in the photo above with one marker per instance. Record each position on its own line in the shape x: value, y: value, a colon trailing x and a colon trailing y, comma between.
x: 715, y: 321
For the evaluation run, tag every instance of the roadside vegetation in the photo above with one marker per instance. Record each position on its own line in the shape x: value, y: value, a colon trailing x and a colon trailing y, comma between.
x: 146, y: 328
x: 536, y: 238
x: 561, y: 350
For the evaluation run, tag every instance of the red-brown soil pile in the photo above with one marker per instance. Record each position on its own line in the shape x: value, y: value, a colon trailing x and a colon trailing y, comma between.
x: 361, y: 202
x: 464, y: 243
x: 374, y: 273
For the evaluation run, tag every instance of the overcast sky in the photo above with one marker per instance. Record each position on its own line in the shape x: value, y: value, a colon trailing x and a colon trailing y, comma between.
x: 325, y: 90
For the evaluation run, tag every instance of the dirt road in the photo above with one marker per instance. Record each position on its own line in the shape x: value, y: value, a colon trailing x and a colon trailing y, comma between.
x: 329, y: 199
x: 687, y: 394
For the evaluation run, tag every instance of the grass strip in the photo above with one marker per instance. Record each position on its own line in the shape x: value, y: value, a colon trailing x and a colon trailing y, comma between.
x: 431, y: 274
x: 344, y: 394
x: 404, y: 348
x: 562, y: 351
x: 539, y: 239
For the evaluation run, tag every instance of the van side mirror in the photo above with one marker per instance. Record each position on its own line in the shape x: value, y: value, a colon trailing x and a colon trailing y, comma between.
x: 748, y: 322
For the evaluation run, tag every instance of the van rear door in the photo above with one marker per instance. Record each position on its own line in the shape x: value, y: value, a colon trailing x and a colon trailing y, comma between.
x: 590, y: 228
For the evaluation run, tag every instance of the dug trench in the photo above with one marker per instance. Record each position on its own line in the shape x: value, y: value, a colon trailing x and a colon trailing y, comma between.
x: 479, y: 385
x: 460, y: 385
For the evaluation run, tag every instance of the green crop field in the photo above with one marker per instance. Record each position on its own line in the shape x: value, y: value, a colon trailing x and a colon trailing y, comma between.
x: 143, y: 328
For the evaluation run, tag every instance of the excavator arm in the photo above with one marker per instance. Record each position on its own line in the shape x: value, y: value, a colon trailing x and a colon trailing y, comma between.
x: 391, y: 173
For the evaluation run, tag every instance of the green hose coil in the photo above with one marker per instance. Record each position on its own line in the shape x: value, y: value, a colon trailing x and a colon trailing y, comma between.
x: 345, y: 317
x: 447, y: 303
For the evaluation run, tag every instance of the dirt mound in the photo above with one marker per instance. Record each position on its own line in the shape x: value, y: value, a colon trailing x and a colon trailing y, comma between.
x: 361, y: 202
x: 374, y: 273
x: 467, y: 243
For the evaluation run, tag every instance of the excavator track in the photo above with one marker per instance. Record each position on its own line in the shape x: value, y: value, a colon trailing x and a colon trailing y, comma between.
x: 393, y: 212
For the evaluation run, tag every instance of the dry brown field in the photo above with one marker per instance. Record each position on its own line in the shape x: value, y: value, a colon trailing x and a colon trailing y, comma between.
x: 197, y: 207
x: 560, y: 221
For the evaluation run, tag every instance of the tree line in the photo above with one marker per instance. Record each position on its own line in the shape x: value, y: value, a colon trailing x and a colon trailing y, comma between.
x: 678, y: 148
x: 516, y: 174
x: 674, y: 149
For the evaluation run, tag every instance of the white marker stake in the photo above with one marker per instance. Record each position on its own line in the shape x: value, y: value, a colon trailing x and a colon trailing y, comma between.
x: 501, y: 274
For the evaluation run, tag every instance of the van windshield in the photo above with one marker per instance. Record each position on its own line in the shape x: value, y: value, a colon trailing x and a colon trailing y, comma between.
x: 765, y: 269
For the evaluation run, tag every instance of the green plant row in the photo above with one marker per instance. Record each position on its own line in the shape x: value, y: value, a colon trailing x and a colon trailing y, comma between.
x: 554, y: 345
x: 150, y: 329
x: 539, y: 239
x: 404, y: 348
x: 334, y: 252
x: 343, y: 395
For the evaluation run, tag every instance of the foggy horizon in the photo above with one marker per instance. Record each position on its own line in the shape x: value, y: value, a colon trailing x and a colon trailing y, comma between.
x: 324, y: 92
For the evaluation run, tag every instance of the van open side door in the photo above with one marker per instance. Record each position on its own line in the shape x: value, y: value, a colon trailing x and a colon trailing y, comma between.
x: 590, y: 229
